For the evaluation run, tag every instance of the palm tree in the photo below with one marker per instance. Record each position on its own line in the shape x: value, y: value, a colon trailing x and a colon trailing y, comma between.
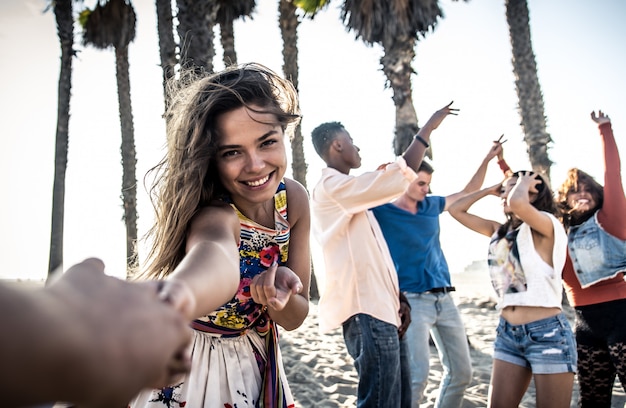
x: 65, y: 31
x: 196, y: 19
x: 113, y: 25
x: 227, y: 12
x: 288, y: 22
x: 531, y: 107
x: 167, y: 44
x: 396, y: 25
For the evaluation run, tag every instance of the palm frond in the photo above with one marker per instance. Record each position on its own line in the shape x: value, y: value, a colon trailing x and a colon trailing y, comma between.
x: 109, y: 25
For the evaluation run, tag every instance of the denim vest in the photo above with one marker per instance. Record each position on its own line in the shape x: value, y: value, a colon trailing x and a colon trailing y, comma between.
x: 595, y: 253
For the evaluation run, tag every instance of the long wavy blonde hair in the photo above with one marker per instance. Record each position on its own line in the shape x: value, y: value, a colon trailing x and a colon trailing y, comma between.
x: 186, y: 179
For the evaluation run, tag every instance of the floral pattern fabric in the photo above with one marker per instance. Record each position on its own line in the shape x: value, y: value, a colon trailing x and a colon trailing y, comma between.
x: 236, y: 360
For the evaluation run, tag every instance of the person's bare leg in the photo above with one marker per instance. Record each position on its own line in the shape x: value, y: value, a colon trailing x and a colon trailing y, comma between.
x: 554, y: 390
x: 508, y: 384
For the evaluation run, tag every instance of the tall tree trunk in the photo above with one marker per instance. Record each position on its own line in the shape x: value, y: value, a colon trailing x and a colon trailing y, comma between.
x: 167, y: 44
x: 65, y: 30
x: 530, y: 98
x: 129, y: 157
x: 196, y: 19
x: 227, y: 37
x: 288, y: 21
x: 396, y: 63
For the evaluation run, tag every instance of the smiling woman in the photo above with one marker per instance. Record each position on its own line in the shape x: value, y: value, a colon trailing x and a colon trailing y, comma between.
x: 593, y: 216
x: 221, y: 187
x: 251, y: 166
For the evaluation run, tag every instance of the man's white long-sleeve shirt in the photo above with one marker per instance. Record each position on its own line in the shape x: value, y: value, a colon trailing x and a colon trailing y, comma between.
x: 360, y: 276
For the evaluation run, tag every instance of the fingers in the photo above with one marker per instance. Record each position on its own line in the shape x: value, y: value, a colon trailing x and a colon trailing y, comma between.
x: 275, y: 287
x: 500, y: 141
x: 88, y: 267
x: 449, y: 110
x: 178, y: 295
x: 95, y: 264
x: 291, y: 286
x: 262, y: 287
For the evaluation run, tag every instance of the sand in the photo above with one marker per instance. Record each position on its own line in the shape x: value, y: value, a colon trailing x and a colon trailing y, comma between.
x: 321, y: 372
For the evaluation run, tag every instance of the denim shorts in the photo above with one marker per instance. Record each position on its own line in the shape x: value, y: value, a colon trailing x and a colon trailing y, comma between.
x: 545, y: 346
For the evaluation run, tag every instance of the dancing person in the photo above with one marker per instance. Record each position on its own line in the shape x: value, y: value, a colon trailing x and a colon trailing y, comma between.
x: 526, y: 257
x: 361, y: 292
x: 88, y: 339
x: 595, y: 221
x: 233, y: 230
x: 410, y: 225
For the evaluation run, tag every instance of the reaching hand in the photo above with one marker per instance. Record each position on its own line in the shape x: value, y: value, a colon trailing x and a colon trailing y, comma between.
x: 438, y: 117
x: 178, y: 294
x: 601, y: 118
x: 495, y: 190
x: 275, y: 286
x: 497, y: 149
x: 124, y: 337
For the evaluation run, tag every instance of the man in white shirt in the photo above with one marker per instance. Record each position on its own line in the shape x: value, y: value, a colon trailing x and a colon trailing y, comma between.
x: 361, y: 293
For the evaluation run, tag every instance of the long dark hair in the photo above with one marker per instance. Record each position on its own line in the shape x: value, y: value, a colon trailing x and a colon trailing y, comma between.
x: 544, y: 201
x: 186, y: 178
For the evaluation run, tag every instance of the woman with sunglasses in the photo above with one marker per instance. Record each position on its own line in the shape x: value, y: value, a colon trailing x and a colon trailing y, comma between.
x: 526, y: 256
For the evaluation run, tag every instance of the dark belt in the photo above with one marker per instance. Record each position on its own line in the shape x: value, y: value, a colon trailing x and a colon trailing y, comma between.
x: 441, y: 290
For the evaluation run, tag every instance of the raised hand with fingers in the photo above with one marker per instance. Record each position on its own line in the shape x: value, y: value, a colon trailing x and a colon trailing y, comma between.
x: 275, y: 286
x: 600, y: 118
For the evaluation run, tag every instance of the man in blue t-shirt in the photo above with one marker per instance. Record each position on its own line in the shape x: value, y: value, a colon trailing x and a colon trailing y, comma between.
x: 410, y: 226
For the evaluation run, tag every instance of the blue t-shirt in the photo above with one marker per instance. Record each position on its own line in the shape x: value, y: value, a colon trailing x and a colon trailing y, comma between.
x: 413, y: 240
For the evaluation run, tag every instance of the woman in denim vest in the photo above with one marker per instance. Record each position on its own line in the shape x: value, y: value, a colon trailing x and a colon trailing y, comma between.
x: 595, y: 220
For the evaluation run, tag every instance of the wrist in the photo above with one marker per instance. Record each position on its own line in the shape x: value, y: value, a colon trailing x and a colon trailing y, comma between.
x: 503, y: 165
x: 422, y: 140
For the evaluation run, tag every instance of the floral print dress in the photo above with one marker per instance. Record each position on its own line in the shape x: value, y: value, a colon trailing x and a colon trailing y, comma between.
x: 236, y: 360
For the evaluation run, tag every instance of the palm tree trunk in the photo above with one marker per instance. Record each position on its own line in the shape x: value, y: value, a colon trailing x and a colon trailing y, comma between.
x: 227, y: 37
x: 288, y: 21
x: 65, y: 29
x: 129, y: 160
x: 396, y: 63
x: 196, y: 19
x: 167, y: 44
x: 530, y: 97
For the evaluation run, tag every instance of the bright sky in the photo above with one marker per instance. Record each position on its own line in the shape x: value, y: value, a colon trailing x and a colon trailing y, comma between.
x: 578, y: 47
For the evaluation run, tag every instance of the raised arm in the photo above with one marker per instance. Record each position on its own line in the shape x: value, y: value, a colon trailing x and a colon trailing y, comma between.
x: 611, y: 216
x: 479, y: 177
x: 540, y: 223
x: 415, y: 152
x: 519, y: 202
x: 208, y: 275
x: 458, y: 210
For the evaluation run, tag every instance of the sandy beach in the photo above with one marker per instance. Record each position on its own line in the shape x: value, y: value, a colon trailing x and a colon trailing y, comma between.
x: 321, y: 372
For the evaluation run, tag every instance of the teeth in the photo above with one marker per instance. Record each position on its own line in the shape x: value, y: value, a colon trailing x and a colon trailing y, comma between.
x: 258, y: 182
x: 583, y: 201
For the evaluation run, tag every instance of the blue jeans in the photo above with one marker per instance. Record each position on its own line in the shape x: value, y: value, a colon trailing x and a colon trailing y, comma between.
x: 436, y: 314
x: 545, y: 346
x: 375, y: 348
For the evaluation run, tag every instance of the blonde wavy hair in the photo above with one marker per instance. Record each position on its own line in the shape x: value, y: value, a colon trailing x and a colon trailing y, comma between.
x: 186, y: 179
